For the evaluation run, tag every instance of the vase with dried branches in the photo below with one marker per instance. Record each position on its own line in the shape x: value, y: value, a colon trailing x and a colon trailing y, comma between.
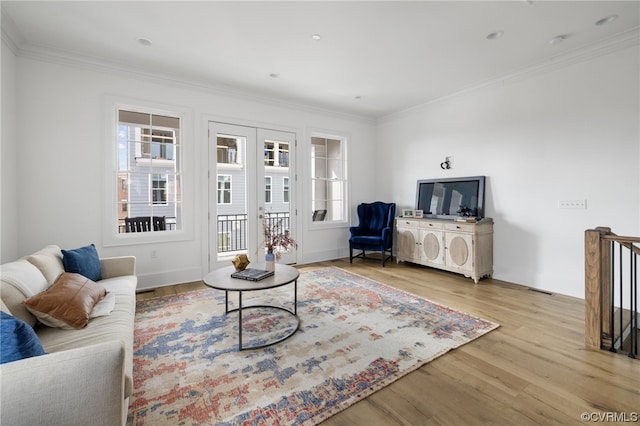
x: 277, y: 239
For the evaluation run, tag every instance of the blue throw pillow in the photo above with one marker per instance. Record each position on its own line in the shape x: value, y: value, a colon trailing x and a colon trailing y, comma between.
x: 17, y: 339
x: 83, y: 261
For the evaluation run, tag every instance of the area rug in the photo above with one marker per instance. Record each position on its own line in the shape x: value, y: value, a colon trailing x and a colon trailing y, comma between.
x: 356, y: 336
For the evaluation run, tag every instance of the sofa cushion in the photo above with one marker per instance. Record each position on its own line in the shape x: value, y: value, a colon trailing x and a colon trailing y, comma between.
x: 49, y: 261
x: 20, y: 280
x: 84, y: 261
x: 17, y: 339
x: 104, y: 307
x: 118, y: 325
x: 68, y: 302
x: 4, y: 308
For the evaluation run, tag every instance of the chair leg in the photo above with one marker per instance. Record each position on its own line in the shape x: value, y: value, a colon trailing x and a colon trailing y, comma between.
x: 350, y: 254
x: 385, y: 257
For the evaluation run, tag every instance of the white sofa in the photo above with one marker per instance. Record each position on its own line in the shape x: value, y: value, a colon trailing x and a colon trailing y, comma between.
x: 86, y: 376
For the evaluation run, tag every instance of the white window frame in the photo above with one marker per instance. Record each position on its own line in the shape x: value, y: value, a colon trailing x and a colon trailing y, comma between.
x: 111, y: 200
x: 158, y: 177
x: 345, y: 220
x: 286, y: 194
x: 268, y: 190
x: 221, y: 191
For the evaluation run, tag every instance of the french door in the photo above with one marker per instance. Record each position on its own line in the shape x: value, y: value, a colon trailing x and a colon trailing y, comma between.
x: 251, y: 184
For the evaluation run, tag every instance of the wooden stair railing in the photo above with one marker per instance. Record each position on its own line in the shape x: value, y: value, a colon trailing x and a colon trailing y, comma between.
x: 602, y: 316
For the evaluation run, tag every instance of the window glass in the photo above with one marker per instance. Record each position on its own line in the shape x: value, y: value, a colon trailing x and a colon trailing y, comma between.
x: 224, y: 189
x: 276, y: 153
x: 285, y: 189
x: 328, y: 179
x: 267, y: 189
x: 227, y: 150
x: 148, y: 178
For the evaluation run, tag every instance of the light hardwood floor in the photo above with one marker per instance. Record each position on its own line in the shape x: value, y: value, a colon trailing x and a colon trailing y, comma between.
x: 533, y: 370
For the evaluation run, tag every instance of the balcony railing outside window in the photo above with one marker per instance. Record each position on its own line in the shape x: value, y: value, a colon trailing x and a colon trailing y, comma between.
x: 232, y: 229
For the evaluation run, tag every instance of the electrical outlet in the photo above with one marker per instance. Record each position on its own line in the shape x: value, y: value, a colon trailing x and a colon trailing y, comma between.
x: 572, y: 204
x: 154, y: 254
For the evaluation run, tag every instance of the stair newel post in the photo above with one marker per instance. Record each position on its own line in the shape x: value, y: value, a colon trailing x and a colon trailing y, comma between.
x: 597, y: 284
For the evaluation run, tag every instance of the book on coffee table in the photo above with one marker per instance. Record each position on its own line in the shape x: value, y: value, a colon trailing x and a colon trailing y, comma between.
x: 252, y: 274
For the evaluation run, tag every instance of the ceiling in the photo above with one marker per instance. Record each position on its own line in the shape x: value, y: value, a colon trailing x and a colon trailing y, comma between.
x: 373, y: 58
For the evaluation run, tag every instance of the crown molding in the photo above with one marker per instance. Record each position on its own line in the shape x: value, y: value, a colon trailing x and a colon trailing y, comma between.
x: 603, y: 47
x: 14, y: 40
x: 10, y: 34
x: 95, y: 64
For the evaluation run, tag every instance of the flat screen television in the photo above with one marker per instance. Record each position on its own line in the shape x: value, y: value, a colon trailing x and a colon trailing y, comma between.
x: 449, y: 198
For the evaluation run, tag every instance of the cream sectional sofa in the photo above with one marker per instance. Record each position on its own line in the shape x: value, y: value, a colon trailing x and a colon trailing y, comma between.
x: 86, y: 376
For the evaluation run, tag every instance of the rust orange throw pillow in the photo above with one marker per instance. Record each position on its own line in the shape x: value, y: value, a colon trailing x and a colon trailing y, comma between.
x: 68, y: 302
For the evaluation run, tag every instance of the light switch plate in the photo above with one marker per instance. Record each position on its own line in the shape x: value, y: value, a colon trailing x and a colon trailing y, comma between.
x: 572, y: 204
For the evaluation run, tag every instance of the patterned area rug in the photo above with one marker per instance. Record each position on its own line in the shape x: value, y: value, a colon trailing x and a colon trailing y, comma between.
x: 356, y: 336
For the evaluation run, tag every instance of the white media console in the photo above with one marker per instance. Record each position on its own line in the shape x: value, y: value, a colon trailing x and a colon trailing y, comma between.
x: 461, y: 247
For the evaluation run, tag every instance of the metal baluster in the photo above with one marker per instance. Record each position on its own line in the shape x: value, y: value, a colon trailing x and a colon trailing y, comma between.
x: 621, y: 297
x: 612, y: 298
x: 633, y: 305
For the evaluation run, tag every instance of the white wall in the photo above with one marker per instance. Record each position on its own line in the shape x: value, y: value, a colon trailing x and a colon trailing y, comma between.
x: 60, y: 166
x: 8, y: 159
x: 569, y: 133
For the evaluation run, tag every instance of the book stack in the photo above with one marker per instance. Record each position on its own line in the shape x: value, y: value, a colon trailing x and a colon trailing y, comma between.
x: 252, y: 274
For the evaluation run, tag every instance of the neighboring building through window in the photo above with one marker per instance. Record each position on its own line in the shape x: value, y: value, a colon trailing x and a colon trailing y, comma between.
x: 227, y: 150
x: 159, y: 189
x: 328, y: 178
x: 276, y: 153
x: 285, y: 189
x: 224, y: 189
x: 149, y: 169
x: 267, y: 189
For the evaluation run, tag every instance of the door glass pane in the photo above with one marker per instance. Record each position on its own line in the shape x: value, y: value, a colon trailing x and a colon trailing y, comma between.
x: 251, y: 185
x: 231, y: 208
x: 277, y: 195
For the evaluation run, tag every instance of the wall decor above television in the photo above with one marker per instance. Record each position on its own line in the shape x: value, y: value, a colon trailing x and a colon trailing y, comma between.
x: 449, y: 198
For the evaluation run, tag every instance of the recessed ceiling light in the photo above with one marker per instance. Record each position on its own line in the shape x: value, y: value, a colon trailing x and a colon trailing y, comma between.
x: 316, y: 37
x: 494, y: 35
x: 559, y: 38
x: 606, y: 20
x: 357, y: 97
x: 144, y: 41
x: 273, y: 75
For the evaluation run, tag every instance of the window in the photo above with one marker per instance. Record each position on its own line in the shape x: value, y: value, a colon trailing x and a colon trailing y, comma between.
x: 267, y: 189
x: 156, y: 144
x: 328, y: 178
x: 285, y: 189
x: 227, y: 150
x: 159, y: 189
x: 276, y: 153
x: 224, y: 189
x: 149, y: 174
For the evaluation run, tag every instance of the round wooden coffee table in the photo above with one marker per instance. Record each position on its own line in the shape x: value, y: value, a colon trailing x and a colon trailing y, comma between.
x: 220, y: 279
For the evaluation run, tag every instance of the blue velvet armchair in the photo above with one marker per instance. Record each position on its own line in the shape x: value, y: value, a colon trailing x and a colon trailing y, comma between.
x: 375, y: 230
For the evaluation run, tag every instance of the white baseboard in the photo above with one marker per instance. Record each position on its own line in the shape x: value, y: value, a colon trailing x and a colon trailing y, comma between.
x: 180, y: 276
x: 321, y: 256
x: 162, y: 279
